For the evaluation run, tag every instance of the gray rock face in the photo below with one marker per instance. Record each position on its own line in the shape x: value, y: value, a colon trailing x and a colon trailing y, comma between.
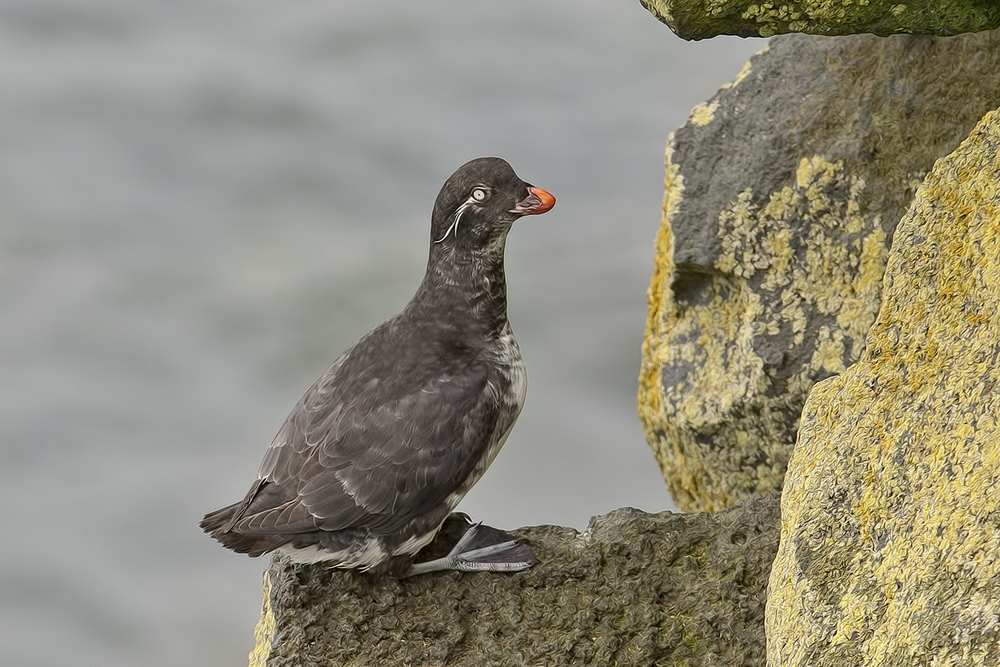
x: 783, y: 193
x: 635, y: 589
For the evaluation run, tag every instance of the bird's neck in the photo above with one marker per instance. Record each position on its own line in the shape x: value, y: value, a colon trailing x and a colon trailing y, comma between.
x: 467, y: 290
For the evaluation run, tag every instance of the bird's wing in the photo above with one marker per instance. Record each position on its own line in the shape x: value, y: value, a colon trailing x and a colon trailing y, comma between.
x: 375, y: 453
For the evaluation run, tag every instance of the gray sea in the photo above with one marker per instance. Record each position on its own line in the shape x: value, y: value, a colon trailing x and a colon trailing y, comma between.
x: 205, y: 202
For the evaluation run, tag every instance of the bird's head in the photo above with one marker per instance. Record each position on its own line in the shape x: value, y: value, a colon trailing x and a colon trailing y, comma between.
x: 478, y: 204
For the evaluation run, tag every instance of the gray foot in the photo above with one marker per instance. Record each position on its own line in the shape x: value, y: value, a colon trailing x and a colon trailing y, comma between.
x: 481, y: 549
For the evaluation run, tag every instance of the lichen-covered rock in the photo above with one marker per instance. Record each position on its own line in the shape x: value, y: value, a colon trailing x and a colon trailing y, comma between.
x: 890, y: 545
x: 782, y: 194
x: 635, y: 589
x: 700, y: 19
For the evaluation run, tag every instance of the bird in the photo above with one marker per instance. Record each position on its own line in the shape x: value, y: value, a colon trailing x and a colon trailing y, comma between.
x: 379, y: 451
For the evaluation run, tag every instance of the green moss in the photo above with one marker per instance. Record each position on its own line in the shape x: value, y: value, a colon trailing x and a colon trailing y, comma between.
x: 701, y: 19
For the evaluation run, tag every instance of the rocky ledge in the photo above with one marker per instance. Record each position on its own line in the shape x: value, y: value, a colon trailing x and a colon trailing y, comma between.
x: 634, y: 589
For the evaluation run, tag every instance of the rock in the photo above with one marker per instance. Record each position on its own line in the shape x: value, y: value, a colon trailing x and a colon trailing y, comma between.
x: 782, y: 195
x: 700, y: 19
x: 635, y: 589
x: 890, y: 551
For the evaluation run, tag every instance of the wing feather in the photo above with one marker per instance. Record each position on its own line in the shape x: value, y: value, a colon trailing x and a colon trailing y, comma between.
x: 382, y: 437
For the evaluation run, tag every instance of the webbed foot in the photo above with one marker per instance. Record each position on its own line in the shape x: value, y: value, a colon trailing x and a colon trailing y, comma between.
x: 481, y: 549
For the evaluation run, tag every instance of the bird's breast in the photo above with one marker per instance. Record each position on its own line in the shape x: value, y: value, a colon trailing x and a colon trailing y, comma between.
x: 511, y: 392
x: 513, y: 368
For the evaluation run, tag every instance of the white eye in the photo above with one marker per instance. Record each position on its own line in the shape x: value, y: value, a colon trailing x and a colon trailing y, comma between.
x: 479, y: 194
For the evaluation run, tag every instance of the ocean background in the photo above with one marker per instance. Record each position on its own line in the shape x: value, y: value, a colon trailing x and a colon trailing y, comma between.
x: 205, y: 202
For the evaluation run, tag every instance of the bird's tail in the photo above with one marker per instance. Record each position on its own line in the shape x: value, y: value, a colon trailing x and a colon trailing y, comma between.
x: 215, y: 521
x: 216, y: 524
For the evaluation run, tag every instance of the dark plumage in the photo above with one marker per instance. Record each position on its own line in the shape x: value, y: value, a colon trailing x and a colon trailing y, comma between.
x: 380, y: 450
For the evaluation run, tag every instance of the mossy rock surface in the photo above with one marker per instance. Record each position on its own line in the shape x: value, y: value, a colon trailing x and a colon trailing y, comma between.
x: 701, y: 19
x: 634, y: 589
x: 782, y: 196
x: 890, y: 515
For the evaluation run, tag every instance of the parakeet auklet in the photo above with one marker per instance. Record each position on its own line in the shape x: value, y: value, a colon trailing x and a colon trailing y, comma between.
x: 381, y: 449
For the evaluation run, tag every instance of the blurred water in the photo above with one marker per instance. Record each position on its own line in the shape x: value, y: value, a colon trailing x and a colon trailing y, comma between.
x: 204, y: 203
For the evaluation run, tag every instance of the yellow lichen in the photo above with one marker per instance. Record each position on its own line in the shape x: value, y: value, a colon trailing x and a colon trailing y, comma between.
x: 742, y: 75
x: 703, y: 113
x: 830, y: 352
x: 264, y: 632
x: 808, y: 251
x: 718, y: 336
x: 824, y: 276
x: 890, y: 543
x: 658, y: 296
